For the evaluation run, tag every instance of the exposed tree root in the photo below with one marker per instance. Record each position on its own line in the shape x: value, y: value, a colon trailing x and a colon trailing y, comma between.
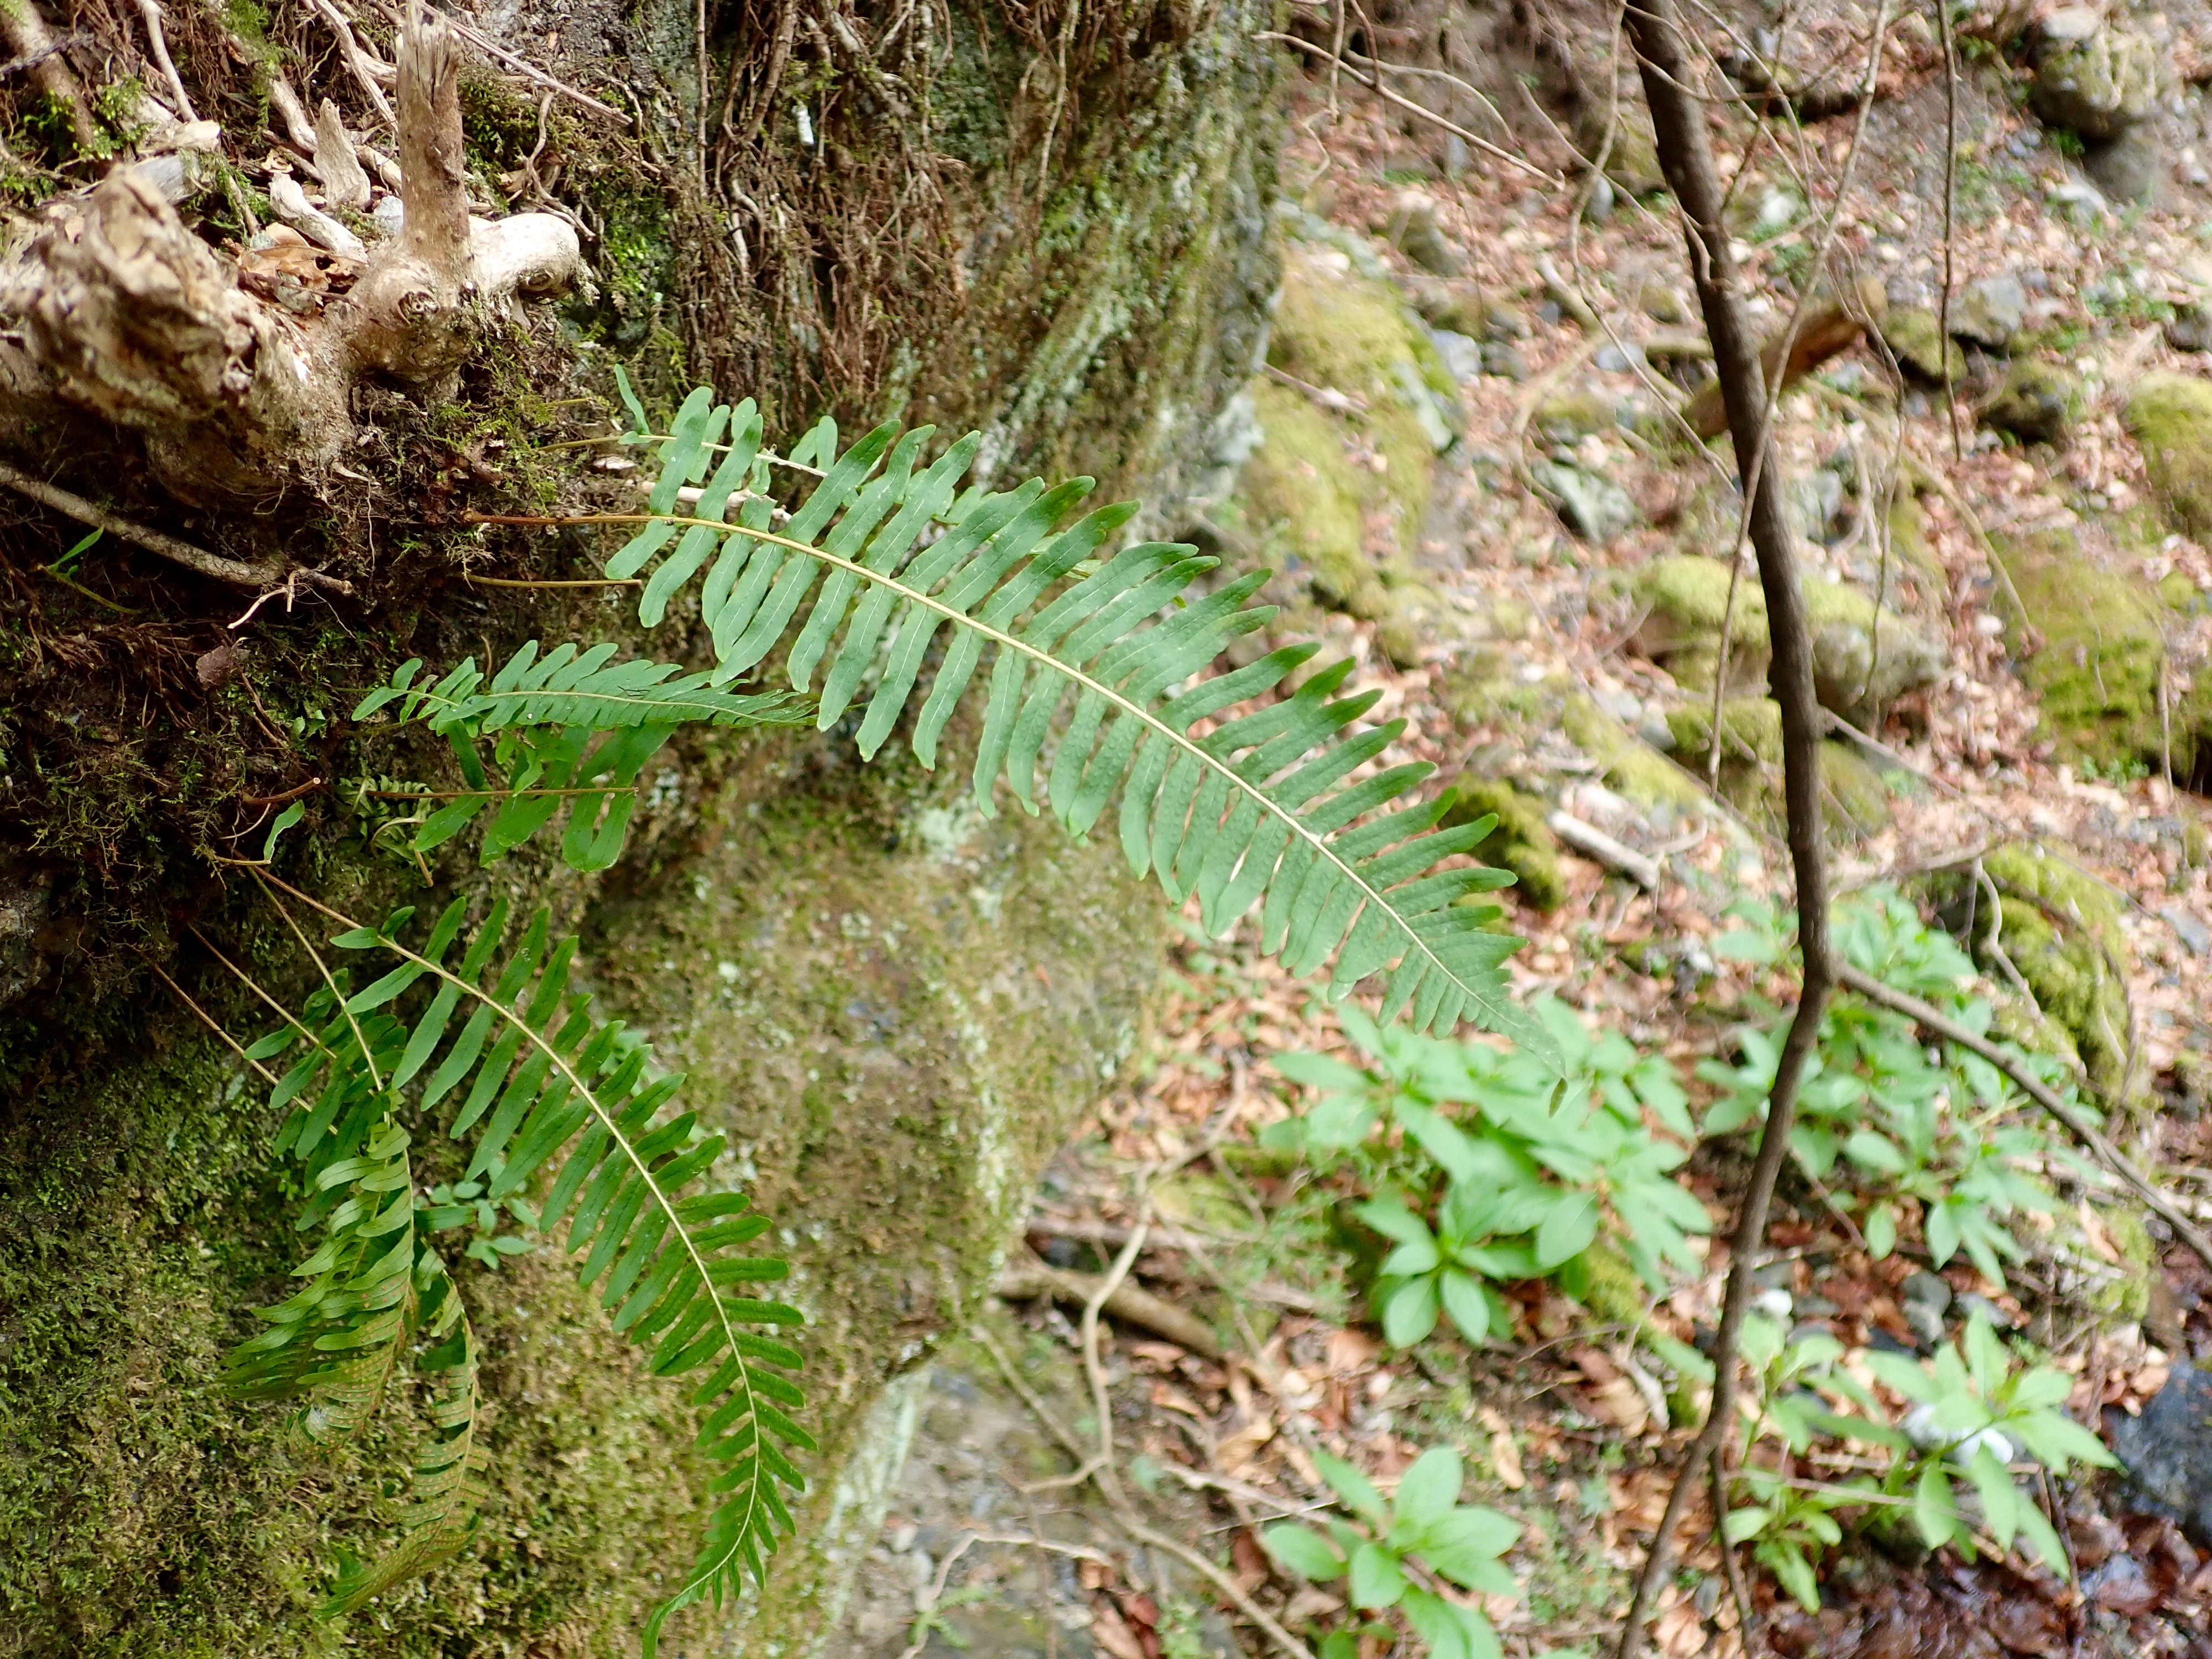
x: 115, y: 306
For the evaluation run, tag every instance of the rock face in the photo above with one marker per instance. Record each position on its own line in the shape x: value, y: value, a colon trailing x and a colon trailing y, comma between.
x: 2093, y: 76
x: 2167, y: 1450
x: 893, y: 1007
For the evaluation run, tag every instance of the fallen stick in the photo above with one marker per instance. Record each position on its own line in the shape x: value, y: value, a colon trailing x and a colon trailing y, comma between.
x: 1025, y: 1281
x: 1940, y: 1024
x: 1593, y: 842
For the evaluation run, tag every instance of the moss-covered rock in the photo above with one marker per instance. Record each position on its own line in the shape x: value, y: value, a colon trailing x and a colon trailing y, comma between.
x: 2170, y: 416
x: 2102, y: 639
x: 1751, y: 730
x: 1863, y: 656
x: 2095, y: 76
x: 1335, y: 493
x: 1915, y: 336
x: 892, y: 1007
x: 2062, y: 931
x: 2038, y: 404
x: 1520, y: 841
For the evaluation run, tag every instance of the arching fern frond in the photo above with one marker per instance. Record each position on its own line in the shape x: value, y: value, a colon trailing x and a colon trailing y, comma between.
x: 505, y: 1046
x: 1097, y: 692
x: 441, y: 1514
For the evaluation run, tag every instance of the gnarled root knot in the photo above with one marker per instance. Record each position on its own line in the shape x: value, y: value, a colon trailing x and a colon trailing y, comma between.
x: 115, y: 306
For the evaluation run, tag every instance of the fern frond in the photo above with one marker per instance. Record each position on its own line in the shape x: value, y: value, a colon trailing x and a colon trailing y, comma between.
x: 1093, y: 694
x: 542, y: 714
x: 548, y: 1093
x: 440, y: 1516
x: 339, y: 1340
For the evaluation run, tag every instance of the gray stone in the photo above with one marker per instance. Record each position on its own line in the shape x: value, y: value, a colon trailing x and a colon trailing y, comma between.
x: 2092, y: 77
x: 1463, y: 356
x: 1596, y: 508
x: 1989, y: 311
x: 1927, y: 1290
x: 1504, y: 360
x: 1414, y: 233
x: 2190, y: 329
x: 2188, y: 928
x: 2167, y: 1451
x: 2127, y: 169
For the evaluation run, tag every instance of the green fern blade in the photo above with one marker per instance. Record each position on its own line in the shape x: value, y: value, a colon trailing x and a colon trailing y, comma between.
x: 654, y: 1257
x: 1017, y: 589
x: 1265, y: 814
x: 1204, y: 827
x: 449, y: 1492
x: 1155, y: 752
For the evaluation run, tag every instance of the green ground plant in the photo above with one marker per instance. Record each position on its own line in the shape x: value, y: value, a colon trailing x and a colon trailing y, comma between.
x: 1964, y: 1420
x: 1488, y: 1166
x: 1907, y: 1132
x: 1482, y: 1168
x: 1392, y: 1554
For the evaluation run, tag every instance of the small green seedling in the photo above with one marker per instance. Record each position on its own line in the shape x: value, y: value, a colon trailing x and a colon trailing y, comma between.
x: 1399, y: 1556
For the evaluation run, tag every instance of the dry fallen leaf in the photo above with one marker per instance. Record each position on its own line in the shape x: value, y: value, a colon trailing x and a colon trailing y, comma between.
x: 1111, y: 1634
x: 1504, y: 1455
x: 1237, y: 1448
x: 1350, y: 1350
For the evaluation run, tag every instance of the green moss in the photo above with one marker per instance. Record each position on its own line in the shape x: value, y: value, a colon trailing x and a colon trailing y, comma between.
x: 1626, y: 761
x: 2170, y: 416
x: 1568, y: 416
x: 2179, y: 592
x: 1521, y: 841
x: 1915, y: 336
x: 2102, y: 637
x: 2039, y: 402
x: 2062, y: 931
x: 1857, y: 661
x: 1338, y: 494
x: 1854, y: 793
x: 949, y: 990
x: 1751, y: 729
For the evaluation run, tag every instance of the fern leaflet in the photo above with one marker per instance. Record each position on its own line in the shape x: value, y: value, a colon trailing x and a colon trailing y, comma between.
x: 541, y: 715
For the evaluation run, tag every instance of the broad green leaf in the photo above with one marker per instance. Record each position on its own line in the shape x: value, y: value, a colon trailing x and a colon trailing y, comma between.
x: 1303, y: 1551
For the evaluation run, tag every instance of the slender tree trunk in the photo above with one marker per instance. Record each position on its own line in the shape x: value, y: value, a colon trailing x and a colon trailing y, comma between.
x: 1678, y: 120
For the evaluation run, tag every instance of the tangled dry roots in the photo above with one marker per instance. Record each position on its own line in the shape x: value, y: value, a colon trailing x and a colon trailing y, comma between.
x: 115, y: 307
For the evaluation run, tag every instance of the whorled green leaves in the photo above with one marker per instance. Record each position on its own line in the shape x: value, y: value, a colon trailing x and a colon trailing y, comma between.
x: 501, y: 1043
